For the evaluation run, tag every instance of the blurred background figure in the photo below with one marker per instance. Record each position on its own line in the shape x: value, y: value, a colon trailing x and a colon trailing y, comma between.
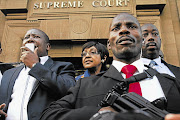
x: 169, y: 78
x: 94, y: 58
x: 3, y: 66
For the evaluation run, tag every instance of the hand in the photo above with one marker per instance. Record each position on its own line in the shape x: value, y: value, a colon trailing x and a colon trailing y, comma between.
x: 172, y: 117
x: 109, y: 108
x: 2, y: 106
x: 28, y: 57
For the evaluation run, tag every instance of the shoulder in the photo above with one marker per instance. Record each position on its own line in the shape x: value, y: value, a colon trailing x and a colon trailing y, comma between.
x: 4, y: 67
x: 62, y: 63
x: 170, y: 66
x: 93, y: 78
x: 59, y: 64
x: 12, y: 70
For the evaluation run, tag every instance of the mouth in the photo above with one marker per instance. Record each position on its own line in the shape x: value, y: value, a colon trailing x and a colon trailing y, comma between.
x: 88, y: 61
x: 125, y: 40
x: 151, y: 45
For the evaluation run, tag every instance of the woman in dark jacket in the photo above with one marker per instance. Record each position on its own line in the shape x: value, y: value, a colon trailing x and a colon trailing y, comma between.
x: 94, y: 58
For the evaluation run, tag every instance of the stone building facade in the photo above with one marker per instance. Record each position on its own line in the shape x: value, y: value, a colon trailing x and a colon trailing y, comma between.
x: 71, y: 23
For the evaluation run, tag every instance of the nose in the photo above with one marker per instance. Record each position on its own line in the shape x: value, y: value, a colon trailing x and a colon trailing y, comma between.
x: 124, y: 31
x: 30, y: 40
x: 150, y: 37
x: 87, y: 55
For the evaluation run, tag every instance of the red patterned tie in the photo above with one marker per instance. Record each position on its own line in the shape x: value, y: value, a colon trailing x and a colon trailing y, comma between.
x: 129, y: 70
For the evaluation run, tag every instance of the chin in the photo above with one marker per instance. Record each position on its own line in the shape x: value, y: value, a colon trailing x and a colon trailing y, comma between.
x: 88, y: 66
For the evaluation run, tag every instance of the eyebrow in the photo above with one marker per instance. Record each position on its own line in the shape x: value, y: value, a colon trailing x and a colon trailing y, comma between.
x: 127, y: 23
x: 152, y: 30
x: 117, y: 24
x: 130, y: 23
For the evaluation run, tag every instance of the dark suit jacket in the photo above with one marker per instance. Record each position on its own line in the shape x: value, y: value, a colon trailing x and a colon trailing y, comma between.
x: 4, y: 67
x: 83, y: 99
x: 168, y: 85
x: 53, y: 79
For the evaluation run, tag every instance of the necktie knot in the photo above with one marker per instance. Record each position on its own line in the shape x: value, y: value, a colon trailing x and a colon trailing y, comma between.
x: 129, y: 69
x: 152, y: 64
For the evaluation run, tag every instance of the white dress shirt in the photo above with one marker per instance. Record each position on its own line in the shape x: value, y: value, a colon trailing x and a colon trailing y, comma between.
x: 22, y: 89
x: 150, y: 88
x: 160, y: 67
x: 0, y: 77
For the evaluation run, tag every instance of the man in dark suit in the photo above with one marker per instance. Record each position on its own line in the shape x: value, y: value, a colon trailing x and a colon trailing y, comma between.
x: 27, y: 90
x: 151, y: 53
x: 83, y: 100
x: 3, y: 66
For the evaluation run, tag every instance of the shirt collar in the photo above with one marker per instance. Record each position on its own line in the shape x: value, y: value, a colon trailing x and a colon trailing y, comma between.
x: 86, y: 73
x: 146, y: 61
x: 43, y: 59
x: 138, y: 63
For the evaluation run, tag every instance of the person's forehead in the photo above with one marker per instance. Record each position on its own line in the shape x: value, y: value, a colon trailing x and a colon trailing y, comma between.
x: 149, y: 27
x: 34, y: 32
x: 124, y: 19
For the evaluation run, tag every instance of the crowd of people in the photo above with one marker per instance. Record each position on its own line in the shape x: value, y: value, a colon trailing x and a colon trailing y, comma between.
x: 43, y: 89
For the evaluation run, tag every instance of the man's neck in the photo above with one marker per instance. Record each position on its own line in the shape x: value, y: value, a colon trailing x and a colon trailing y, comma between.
x: 151, y: 56
x: 129, y: 61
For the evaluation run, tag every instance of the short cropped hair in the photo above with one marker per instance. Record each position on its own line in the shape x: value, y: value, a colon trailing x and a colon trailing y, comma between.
x: 101, y: 49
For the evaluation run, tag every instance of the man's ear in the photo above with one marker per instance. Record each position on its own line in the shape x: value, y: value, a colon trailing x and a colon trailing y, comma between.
x: 48, y: 47
x: 143, y: 42
x: 108, y: 45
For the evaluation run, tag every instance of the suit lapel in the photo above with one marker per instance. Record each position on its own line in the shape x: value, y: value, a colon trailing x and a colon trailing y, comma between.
x: 13, y: 79
x: 10, y: 83
x: 175, y: 70
x: 166, y: 82
x: 48, y: 64
x: 113, y: 73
